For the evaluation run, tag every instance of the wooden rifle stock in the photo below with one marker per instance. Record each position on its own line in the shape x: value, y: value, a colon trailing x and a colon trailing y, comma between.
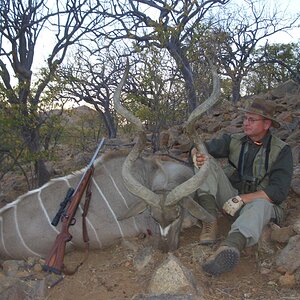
x: 55, y: 258
x: 54, y: 261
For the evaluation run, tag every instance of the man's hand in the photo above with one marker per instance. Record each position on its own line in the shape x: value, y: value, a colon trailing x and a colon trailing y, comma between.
x: 232, y: 205
x: 198, y: 158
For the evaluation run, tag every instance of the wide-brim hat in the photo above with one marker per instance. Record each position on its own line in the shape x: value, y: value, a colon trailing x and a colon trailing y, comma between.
x: 264, y: 108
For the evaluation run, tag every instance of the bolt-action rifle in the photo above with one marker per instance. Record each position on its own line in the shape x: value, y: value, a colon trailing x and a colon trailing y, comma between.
x: 54, y: 261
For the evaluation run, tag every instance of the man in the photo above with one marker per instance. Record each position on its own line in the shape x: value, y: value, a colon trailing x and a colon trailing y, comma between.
x: 251, y: 194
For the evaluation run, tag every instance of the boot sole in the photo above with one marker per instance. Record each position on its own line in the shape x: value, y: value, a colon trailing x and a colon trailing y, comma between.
x: 224, y: 261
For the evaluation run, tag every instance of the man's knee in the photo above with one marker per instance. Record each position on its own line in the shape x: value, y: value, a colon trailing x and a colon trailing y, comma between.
x: 259, y: 204
x: 252, y: 218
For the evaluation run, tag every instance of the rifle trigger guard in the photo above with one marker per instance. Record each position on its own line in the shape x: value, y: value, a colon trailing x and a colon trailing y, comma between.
x: 73, y: 222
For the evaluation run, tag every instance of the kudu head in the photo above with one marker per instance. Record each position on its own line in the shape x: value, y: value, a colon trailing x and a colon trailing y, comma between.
x: 167, y: 205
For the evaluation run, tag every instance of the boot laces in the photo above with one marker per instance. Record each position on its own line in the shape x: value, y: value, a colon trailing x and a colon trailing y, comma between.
x: 208, y: 227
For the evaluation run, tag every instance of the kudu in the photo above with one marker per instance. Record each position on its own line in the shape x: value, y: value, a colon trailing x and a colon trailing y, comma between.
x: 118, y: 184
x: 166, y: 199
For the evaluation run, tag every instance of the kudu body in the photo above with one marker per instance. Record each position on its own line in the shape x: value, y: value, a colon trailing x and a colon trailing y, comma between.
x: 167, y: 204
x: 25, y: 224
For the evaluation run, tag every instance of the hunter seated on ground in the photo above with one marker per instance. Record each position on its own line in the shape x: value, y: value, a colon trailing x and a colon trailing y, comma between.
x: 252, y: 194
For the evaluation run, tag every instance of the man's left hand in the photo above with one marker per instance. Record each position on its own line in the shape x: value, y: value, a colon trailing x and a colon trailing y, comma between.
x: 232, y: 205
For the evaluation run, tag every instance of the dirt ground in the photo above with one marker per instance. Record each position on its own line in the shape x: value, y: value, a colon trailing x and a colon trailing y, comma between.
x: 112, y: 273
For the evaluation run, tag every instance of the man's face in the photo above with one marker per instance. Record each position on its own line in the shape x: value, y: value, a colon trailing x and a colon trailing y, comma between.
x: 255, y: 126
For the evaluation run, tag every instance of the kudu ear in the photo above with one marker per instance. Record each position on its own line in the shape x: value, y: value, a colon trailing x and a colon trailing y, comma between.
x: 196, y: 210
x: 133, y: 210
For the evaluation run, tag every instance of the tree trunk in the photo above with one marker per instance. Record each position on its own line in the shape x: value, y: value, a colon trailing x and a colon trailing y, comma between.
x: 42, y: 172
x: 108, y: 122
x: 32, y: 140
x: 235, y: 90
x: 184, y: 66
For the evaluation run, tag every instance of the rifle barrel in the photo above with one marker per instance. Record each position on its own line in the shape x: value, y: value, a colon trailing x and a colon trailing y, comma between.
x: 100, y: 145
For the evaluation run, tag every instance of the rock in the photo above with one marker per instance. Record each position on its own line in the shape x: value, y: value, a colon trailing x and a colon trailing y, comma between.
x: 171, y: 277
x: 22, y: 274
x: 272, y: 283
x: 37, y: 268
x: 50, y: 168
x: 163, y: 139
x: 287, y: 281
x: 264, y: 271
x: 296, y: 185
x: 288, y: 87
x: 296, y: 153
x: 11, y: 267
x: 51, y: 280
x: 25, y: 288
x: 297, y: 275
x: 143, y: 258
x: 6, y: 282
x: 215, y: 126
x: 296, y: 227
x: 174, y: 135
x: 288, y: 259
x: 282, y: 235
x: 30, y: 261
x: 265, y: 244
x: 129, y: 245
x: 287, y: 117
x: 9, y: 290
x: 295, y: 136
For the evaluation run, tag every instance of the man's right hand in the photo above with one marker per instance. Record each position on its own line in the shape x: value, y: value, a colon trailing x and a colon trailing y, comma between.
x: 198, y: 158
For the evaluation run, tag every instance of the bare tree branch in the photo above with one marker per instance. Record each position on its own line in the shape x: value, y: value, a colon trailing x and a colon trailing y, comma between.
x: 243, y: 29
x: 162, y: 25
x: 22, y: 24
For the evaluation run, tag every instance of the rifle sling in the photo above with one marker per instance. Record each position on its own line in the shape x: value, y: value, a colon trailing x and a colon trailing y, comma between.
x: 85, y: 235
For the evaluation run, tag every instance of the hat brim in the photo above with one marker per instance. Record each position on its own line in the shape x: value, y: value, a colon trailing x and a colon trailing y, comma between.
x: 275, y: 123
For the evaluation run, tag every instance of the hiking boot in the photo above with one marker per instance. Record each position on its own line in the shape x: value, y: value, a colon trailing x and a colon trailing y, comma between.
x: 223, y: 260
x: 209, y: 233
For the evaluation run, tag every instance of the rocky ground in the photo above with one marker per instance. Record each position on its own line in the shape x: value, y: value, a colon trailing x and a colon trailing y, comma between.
x: 132, y: 269
x: 129, y: 270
